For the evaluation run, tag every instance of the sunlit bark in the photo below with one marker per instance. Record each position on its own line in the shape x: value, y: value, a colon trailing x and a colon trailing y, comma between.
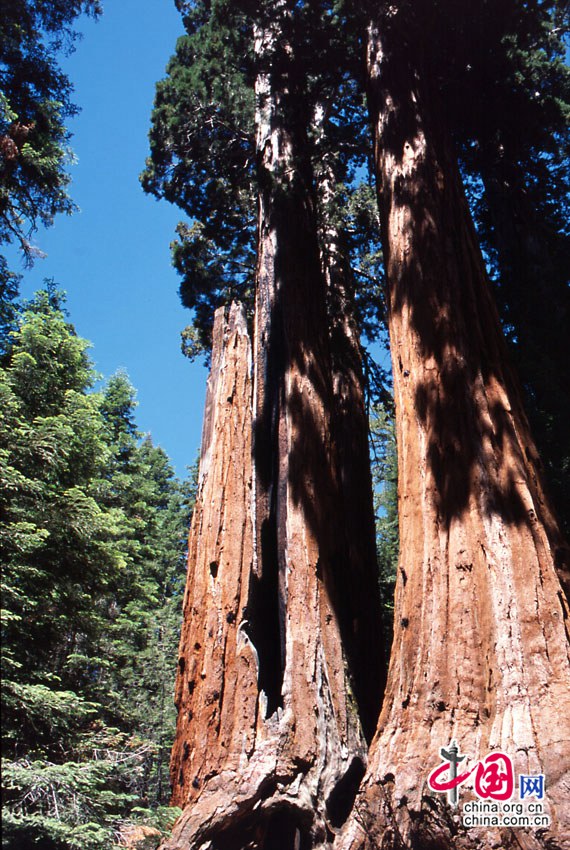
x: 480, y: 648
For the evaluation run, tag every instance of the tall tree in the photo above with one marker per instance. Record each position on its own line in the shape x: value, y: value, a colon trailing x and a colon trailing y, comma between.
x: 143, y: 617
x: 477, y: 530
x: 92, y: 545
x: 480, y: 648
x: 59, y: 558
x: 304, y: 741
x: 514, y: 143
x: 35, y: 101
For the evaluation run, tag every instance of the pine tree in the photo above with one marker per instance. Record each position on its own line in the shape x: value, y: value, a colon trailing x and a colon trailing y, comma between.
x: 35, y: 101
x: 142, y: 635
x: 92, y: 549
x: 59, y: 557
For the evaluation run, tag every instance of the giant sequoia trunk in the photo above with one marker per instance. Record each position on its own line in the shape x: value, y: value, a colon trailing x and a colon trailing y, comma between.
x: 270, y: 748
x: 480, y: 650
x: 216, y: 686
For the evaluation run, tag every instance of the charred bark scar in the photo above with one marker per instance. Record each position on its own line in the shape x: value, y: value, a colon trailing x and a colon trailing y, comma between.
x: 340, y: 801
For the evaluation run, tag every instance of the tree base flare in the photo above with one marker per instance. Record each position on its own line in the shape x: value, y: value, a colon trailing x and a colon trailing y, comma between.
x: 379, y: 821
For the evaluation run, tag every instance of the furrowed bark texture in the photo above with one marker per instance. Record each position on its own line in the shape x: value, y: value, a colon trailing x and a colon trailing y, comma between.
x: 299, y: 550
x: 267, y: 754
x: 216, y: 687
x: 263, y: 632
x: 534, y: 277
x: 480, y: 648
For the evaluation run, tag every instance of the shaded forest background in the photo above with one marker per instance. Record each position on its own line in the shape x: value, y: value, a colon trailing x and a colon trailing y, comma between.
x: 94, y: 522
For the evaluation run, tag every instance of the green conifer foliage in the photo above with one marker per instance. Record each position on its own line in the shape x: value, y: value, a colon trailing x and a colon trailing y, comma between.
x: 35, y: 102
x: 92, y: 546
x: 203, y: 159
x: 202, y: 152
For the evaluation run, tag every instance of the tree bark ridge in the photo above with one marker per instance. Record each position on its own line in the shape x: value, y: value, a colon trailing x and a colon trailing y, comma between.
x: 480, y: 650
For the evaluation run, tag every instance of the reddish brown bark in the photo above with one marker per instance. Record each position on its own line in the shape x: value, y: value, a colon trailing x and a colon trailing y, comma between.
x: 216, y: 687
x: 269, y: 743
x: 249, y: 764
x: 257, y: 758
x: 480, y: 648
x: 533, y: 261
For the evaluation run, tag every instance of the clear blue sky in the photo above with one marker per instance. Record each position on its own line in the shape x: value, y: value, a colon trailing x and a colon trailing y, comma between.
x: 113, y: 256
